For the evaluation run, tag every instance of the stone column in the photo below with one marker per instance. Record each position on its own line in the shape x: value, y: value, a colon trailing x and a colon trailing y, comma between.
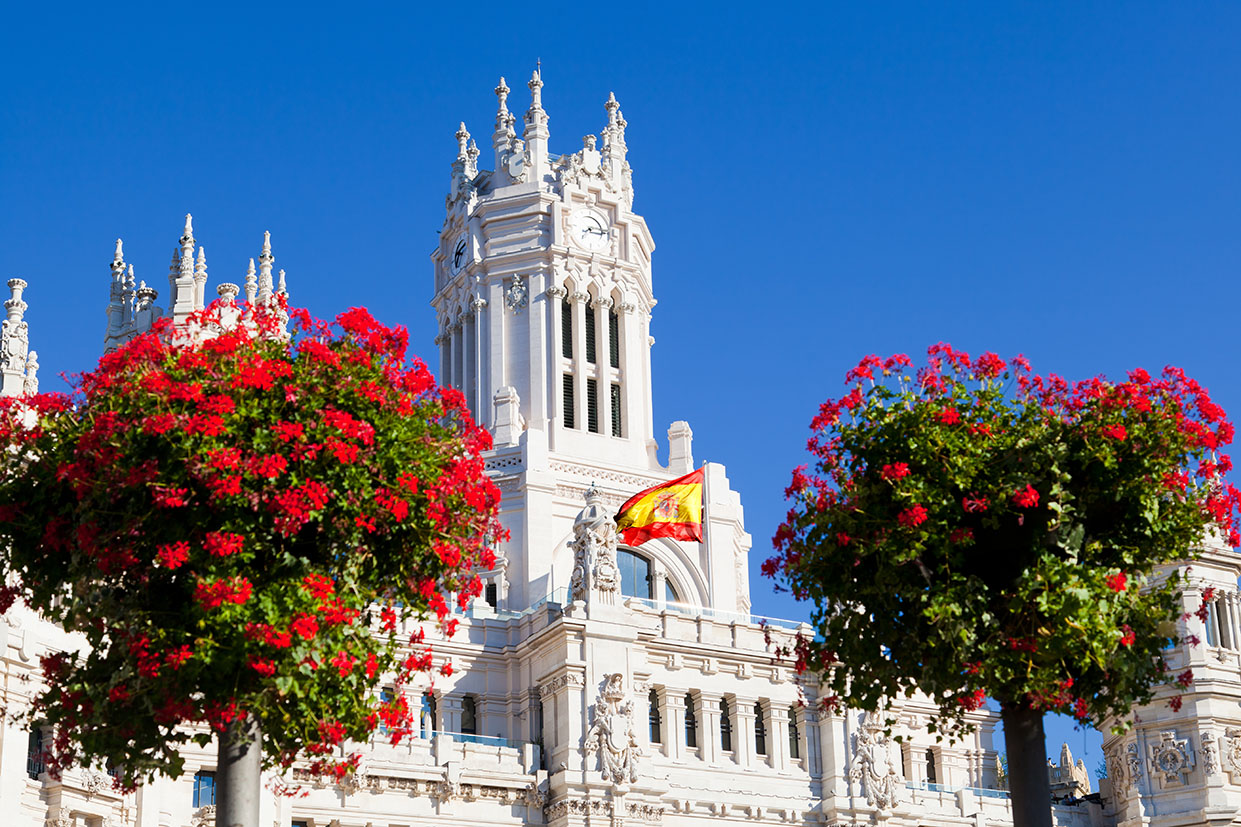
x: 745, y: 748
x: 778, y: 737
x: 674, y: 722
x: 709, y: 727
x: 580, y: 303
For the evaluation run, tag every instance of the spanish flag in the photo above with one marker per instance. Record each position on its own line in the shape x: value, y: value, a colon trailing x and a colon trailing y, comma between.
x: 673, y: 509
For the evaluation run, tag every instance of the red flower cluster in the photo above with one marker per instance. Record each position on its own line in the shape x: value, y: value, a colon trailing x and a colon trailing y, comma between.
x: 1117, y: 582
x: 895, y: 471
x: 1026, y: 498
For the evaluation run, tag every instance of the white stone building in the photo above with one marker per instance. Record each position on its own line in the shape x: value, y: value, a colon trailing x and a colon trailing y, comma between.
x: 649, y: 695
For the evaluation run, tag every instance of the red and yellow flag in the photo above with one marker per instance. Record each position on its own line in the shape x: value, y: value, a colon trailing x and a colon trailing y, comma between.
x: 673, y: 509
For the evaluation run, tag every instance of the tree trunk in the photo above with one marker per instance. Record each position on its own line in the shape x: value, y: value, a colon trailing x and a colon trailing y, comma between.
x: 239, y: 775
x: 1027, y: 765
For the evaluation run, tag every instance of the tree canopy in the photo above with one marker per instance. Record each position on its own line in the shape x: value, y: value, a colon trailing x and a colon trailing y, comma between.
x: 238, y: 522
x: 969, y: 529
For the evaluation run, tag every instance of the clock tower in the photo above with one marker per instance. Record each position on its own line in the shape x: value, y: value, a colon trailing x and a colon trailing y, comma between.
x: 543, y: 297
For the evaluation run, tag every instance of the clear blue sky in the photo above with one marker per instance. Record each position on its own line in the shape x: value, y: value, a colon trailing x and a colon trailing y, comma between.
x: 823, y: 181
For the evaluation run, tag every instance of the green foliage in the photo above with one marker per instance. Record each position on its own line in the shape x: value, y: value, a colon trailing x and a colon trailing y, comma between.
x: 976, y: 531
x: 233, y: 523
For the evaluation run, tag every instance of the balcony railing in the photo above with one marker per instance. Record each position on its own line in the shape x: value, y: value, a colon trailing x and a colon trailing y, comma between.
x: 717, y: 614
x: 948, y: 788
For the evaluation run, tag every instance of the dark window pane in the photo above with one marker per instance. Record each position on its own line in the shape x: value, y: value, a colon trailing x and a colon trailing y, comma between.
x: 691, y: 723
x: 204, y: 789
x: 592, y: 406
x: 614, y: 339
x: 469, y: 716
x: 566, y: 330
x: 590, y: 334
x: 657, y: 727
x: 569, y: 421
x: 616, y: 410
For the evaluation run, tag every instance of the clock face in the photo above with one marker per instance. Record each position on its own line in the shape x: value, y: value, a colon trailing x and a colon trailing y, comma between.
x: 589, y: 230
x: 460, y: 255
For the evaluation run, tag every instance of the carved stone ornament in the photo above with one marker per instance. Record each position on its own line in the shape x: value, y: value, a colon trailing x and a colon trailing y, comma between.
x: 535, y: 796
x: 1115, y: 768
x: 1232, y: 750
x: 1134, y: 762
x: 516, y: 297
x: 612, y: 734
x: 203, y: 816
x: 873, y: 766
x: 94, y: 782
x: 595, y: 571
x: 1210, y: 753
x: 14, y: 341
x: 1172, y: 757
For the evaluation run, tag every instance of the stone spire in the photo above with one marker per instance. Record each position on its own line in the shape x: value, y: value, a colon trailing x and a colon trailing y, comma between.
x: 118, y: 309
x: 14, y: 342
x: 200, y: 279
x: 536, y: 132
x: 252, y: 284
x: 184, y: 290
x: 502, y: 138
x: 266, y: 259
x: 614, y: 148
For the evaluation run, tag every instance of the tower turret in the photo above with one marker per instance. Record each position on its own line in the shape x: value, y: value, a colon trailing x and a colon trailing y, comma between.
x: 14, y: 342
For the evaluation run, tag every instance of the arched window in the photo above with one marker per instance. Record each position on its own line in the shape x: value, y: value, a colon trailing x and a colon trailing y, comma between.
x: 795, y: 736
x: 691, y: 723
x: 635, y: 573
x: 760, y: 731
x: 657, y: 724
x: 726, y: 726
x: 469, y: 715
x: 670, y: 592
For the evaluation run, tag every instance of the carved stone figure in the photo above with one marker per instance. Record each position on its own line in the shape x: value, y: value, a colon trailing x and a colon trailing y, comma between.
x: 516, y: 296
x: 594, y: 552
x: 873, y: 766
x: 612, y: 734
x: 1116, y: 769
x: 1210, y: 753
x: 1172, y: 757
x: 1134, y: 762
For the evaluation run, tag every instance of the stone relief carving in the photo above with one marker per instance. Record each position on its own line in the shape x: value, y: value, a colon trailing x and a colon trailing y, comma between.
x: 535, y: 796
x: 594, y: 552
x: 1115, y: 768
x: 561, y: 681
x: 94, y: 782
x: 203, y: 816
x: 1134, y: 765
x: 612, y: 734
x: 1172, y: 757
x: 31, y: 385
x: 1210, y: 756
x: 872, y: 764
x: 1232, y: 750
x: 516, y: 296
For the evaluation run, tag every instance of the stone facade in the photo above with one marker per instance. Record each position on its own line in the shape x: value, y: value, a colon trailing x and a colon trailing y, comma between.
x: 596, y: 684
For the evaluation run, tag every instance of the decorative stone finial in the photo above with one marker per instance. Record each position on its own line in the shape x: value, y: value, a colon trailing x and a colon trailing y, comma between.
x: 252, y: 283
x: 613, y: 107
x: 536, y: 87
x: 200, y: 269
x: 119, y: 255
x: 15, y: 306
x: 188, y: 233
x: 502, y: 93
x: 463, y: 138
x: 281, y: 288
x: 31, y: 385
x: 266, y: 259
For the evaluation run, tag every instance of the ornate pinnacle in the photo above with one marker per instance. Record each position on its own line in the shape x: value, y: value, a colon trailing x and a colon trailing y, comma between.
x: 536, y: 86
x: 200, y: 269
x: 613, y: 108
x: 265, y: 262
x: 129, y: 279
x: 188, y: 234
x: 118, y: 257
x: 252, y: 283
x: 281, y: 287
x: 463, y: 138
x: 502, y: 93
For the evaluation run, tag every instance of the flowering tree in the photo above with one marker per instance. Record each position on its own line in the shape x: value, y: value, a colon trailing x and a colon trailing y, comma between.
x: 237, y: 524
x: 972, y: 530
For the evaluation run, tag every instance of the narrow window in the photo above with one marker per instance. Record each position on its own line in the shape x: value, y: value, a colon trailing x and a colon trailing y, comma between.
x: 492, y: 595
x: 569, y: 419
x: 469, y: 716
x: 1209, y: 626
x: 726, y: 726
x: 691, y: 723
x: 760, y: 731
x: 204, y: 789
x: 795, y: 736
x: 613, y: 339
x: 429, y: 715
x: 657, y: 726
x: 1225, y: 623
x: 616, y: 409
x: 538, y: 735
x: 566, y: 329
x: 590, y: 334
x: 670, y: 593
x: 930, y: 767
x: 34, y: 754
x: 592, y: 406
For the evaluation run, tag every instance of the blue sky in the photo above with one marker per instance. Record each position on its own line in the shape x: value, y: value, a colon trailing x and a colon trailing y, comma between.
x: 823, y: 181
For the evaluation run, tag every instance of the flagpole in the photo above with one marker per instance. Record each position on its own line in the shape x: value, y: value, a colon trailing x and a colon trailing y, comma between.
x: 706, y: 522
